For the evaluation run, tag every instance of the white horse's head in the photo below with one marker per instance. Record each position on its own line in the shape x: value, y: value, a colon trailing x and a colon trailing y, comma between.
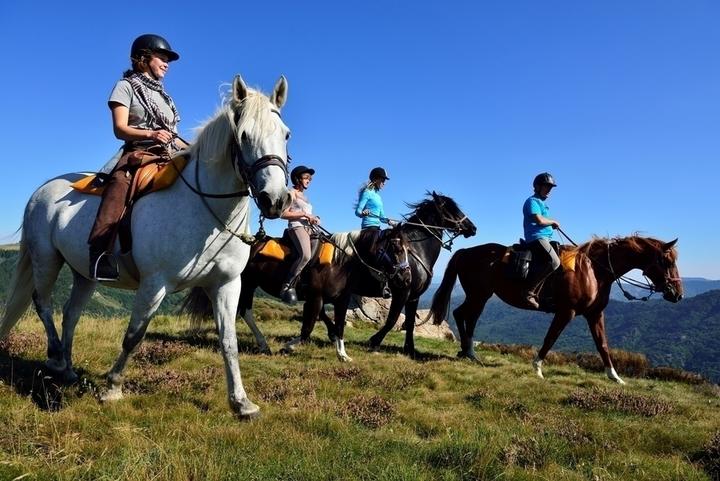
x: 261, y: 144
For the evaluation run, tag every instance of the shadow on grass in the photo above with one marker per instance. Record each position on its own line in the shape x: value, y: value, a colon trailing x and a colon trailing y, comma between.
x: 204, y: 339
x: 31, y: 378
x: 418, y: 356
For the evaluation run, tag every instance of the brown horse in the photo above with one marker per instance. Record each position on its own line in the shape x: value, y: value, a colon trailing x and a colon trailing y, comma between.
x: 582, y: 289
x: 350, y: 273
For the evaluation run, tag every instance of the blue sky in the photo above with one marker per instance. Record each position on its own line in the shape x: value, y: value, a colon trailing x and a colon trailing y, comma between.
x: 619, y: 100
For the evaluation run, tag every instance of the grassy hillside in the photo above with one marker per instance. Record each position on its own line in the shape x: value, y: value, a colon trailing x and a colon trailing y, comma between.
x: 381, y: 417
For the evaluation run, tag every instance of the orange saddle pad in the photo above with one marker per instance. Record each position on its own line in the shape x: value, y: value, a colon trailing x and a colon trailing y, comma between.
x: 148, y: 178
x: 276, y: 250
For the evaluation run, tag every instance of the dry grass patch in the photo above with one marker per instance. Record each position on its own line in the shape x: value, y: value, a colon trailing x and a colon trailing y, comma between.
x: 709, y: 457
x: 526, y: 453
x: 664, y: 373
x: 401, y: 379
x: 370, y: 411
x: 173, y: 381
x: 19, y: 343
x: 291, y: 388
x: 160, y: 352
x: 598, y: 399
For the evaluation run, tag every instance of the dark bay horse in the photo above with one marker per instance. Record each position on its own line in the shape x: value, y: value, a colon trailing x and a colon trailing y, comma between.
x: 351, y: 272
x: 580, y: 290
x: 424, y: 229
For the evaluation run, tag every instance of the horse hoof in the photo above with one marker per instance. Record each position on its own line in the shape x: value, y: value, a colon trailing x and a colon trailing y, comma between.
x: 468, y: 355
x: 265, y: 351
x: 70, y: 376
x: 344, y: 358
x: 537, y: 367
x: 57, y: 367
x: 411, y: 353
x: 112, y: 394
x: 246, y: 410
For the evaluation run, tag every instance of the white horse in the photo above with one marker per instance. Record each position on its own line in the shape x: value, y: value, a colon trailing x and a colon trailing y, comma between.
x: 187, y: 235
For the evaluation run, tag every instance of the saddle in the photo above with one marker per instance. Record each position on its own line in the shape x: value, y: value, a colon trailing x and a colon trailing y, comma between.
x: 518, y: 264
x: 281, y: 249
x: 154, y: 173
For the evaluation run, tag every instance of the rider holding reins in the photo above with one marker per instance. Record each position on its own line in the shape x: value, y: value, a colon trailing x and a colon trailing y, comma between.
x: 538, y: 229
x: 145, y: 117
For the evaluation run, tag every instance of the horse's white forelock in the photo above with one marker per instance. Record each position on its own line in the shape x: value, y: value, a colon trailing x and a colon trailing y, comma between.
x: 212, y: 143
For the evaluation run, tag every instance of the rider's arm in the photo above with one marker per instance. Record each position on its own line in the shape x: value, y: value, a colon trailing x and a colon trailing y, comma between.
x: 361, y: 204
x: 541, y: 220
x: 123, y: 131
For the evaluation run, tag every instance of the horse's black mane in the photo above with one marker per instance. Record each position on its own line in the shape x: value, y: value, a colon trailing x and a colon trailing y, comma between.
x: 429, y: 203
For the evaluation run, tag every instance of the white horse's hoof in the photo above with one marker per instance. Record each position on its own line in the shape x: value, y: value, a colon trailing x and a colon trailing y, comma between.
x: 112, y: 394
x: 537, y: 366
x: 246, y: 409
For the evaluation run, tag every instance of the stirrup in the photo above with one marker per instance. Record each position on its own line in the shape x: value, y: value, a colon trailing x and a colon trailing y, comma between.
x: 288, y: 295
x: 105, y: 268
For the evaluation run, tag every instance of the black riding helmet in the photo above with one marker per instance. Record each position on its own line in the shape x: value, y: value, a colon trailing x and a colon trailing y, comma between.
x: 544, y: 179
x: 153, y: 43
x: 378, y: 173
x: 298, y: 171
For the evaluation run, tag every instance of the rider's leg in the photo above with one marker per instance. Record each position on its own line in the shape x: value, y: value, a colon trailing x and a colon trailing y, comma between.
x: 301, y: 241
x: 548, y: 261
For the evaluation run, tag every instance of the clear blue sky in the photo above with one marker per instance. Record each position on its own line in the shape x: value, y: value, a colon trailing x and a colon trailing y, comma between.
x: 619, y: 100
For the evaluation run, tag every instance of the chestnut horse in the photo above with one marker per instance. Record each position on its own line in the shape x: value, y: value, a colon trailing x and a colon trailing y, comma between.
x: 582, y: 289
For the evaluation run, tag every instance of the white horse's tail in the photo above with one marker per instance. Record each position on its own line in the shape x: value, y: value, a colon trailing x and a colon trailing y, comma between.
x: 19, y: 291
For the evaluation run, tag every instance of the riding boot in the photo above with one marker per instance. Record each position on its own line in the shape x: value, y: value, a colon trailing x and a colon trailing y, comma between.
x: 288, y: 294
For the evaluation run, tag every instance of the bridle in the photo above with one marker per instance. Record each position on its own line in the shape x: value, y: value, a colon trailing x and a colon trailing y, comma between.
x: 246, y: 173
x: 648, y: 285
x: 455, y: 227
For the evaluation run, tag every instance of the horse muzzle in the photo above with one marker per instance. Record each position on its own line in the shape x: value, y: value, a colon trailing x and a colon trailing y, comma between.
x: 670, y: 293
x: 271, y: 207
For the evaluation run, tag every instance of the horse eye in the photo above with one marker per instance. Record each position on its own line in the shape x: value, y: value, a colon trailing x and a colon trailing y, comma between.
x: 243, y: 137
x: 287, y: 136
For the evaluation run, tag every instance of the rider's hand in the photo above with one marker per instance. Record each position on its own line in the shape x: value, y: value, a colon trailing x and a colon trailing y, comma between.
x: 392, y: 223
x: 555, y: 225
x: 161, y: 136
x: 314, y: 220
x: 365, y: 213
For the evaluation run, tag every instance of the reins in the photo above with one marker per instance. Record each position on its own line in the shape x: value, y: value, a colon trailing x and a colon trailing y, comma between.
x: 647, y: 286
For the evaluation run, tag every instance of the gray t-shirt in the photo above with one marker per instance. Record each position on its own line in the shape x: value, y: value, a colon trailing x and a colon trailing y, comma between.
x: 139, y: 118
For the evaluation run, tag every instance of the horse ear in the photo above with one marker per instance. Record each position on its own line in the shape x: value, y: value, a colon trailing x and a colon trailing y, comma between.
x: 669, y: 245
x: 240, y: 90
x: 280, y: 92
x: 434, y: 194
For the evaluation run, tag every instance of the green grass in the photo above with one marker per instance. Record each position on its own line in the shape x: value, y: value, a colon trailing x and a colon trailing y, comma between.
x: 382, y: 417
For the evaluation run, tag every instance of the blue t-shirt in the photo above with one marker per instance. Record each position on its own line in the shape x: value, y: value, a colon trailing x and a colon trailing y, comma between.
x: 370, y: 199
x: 533, y: 231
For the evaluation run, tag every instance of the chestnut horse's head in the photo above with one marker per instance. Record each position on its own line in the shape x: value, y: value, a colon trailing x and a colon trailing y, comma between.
x: 661, y: 269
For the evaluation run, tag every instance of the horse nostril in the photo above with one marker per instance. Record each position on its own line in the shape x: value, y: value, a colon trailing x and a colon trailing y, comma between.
x: 264, y: 201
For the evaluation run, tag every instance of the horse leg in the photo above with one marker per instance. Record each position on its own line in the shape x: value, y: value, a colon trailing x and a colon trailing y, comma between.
x: 82, y: 289
x: 311, y: 310
x: 329, y: 324
x: 150, y: 294
x: 246, y: 312
x: 466, y: 316
x: 559, y: 322
x: 225, y: 300
x: 410, y: 311
x: 596, y: 322
x: 341, y: 306
x: 396, y: 305
x: 46, y: 267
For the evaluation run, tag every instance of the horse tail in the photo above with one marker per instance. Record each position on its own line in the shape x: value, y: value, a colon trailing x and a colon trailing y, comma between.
x: 441, y: 298
x: 19, y: 291
x: 197, y: 306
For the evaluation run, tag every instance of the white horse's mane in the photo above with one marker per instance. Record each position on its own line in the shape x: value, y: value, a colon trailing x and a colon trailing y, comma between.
x: 214, y: 135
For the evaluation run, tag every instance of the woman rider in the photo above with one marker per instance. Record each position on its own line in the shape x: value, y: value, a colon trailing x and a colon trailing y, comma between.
x: 145, y: 117
x: 370, y: 209
x: 300, y: 221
